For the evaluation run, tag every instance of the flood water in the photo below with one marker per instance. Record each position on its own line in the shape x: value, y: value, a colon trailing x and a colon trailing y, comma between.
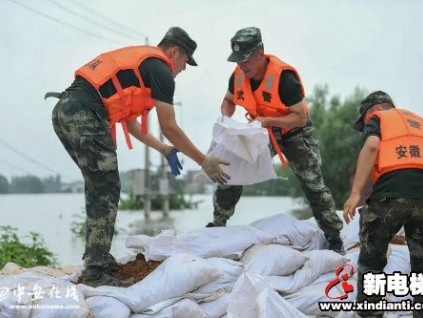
x: 51, y: 216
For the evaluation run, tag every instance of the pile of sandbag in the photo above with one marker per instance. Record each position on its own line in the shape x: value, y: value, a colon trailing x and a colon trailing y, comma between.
x: 275, y: 267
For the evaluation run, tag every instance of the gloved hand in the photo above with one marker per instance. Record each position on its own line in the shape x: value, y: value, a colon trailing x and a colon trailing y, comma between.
x: 212, y: 169
x: 170, y: 153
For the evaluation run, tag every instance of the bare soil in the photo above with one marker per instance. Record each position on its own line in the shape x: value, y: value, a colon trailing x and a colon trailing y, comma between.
x: 138, y: 269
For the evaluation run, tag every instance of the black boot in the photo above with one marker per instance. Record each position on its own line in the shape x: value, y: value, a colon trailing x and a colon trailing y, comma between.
x: 99, y: 276
x: 335, y: 243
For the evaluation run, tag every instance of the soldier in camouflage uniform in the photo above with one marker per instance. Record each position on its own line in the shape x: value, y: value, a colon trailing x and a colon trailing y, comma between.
x: 396, y: 199
x: 82, y: 121
x: 292, y: 129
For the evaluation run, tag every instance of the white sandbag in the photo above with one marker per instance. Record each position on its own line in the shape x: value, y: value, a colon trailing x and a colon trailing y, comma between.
x: 397, y: 314
x: 318, y: 263
x: 181, y: 309
x: 272, y: 259
x: 300, y: 234
x: 102, y: 306
x: 349, y: 232
x: 245, y: 146
x: 175, y: 277
x: 34, y: 295
x: 398, y: 259
x: 206, y: 242
x: 231, y: 271
x: 217, y: 308
x: 252, y: 297
x: 156, y: 308
x: 307, y: 299
x: 11, y: 269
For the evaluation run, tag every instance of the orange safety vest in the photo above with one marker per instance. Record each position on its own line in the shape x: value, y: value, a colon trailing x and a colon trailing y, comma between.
x: 130, y: 102
x: 401, y: 141
x: 265, y: 100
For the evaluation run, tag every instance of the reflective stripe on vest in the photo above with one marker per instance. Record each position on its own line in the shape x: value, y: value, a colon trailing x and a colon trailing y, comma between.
x: 401, y: 141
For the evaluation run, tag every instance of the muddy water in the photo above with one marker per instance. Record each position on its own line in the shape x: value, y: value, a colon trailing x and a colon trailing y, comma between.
x: 52, y: 214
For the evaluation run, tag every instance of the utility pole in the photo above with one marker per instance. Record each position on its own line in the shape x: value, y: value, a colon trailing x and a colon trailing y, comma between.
x: 164, y: 180
x: 147, y: 197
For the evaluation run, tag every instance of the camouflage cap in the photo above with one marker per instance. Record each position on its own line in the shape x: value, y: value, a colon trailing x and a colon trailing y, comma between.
x: 181, y: 38
x: 244, y: 43
x: 372, y: 99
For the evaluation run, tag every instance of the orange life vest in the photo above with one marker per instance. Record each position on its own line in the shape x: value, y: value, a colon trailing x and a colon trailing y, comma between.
x: 130, y: 102
x: 265, y: 100
x: 401, y: 141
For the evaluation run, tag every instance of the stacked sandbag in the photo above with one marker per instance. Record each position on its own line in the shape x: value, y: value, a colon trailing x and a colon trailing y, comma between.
x: 275, y: 267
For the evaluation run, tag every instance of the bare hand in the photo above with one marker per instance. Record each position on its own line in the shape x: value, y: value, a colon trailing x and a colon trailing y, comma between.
x: 350, y: 206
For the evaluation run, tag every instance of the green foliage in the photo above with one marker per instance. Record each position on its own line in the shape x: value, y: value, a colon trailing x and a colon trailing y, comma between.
x: 339, y: 142
x: 276, y: 187
x: 177, y: 201
x: 25, y: 255
x: 4, y: 185
x: 26, y: 184
x: 52, y: 184
x: 131, y: 203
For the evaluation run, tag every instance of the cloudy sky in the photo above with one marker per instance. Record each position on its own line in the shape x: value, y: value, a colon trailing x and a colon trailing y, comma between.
x: 344, y: 44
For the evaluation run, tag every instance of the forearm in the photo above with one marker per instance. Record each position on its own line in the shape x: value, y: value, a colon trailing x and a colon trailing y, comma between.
x: 365, y: 163
x: 228, y: 107
x: 297, y: 117
x: 291, y: 120
x: 181, y: 141
x: 148, y: 139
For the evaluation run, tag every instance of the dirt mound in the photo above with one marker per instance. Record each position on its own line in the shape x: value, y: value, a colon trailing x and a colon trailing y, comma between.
x: 138, y: 269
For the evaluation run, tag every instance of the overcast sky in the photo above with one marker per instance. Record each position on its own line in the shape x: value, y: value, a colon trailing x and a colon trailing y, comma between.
x: 344, y: 44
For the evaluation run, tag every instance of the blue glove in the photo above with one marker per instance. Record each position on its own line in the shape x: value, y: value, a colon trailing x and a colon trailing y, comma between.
x: 173, y: 161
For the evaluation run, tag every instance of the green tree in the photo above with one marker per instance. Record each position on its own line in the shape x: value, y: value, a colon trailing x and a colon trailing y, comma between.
x: 4, y: 185
x: 339, y: 142
x: 26, y: 184
x: 52, y: 184
x: 23, y: 254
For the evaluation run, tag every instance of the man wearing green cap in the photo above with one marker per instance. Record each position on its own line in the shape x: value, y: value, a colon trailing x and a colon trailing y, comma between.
x: 392, y: 157
x: 117, y: 87
x: 272, y: 93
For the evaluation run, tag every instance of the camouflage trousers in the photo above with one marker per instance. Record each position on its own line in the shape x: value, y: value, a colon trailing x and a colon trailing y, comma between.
x: 379, y: 222
x: 302, y: 152
x: 87, y: 139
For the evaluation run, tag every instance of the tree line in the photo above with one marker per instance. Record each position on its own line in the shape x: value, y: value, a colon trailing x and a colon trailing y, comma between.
x: 339, y: 146
x: 30, y: 184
